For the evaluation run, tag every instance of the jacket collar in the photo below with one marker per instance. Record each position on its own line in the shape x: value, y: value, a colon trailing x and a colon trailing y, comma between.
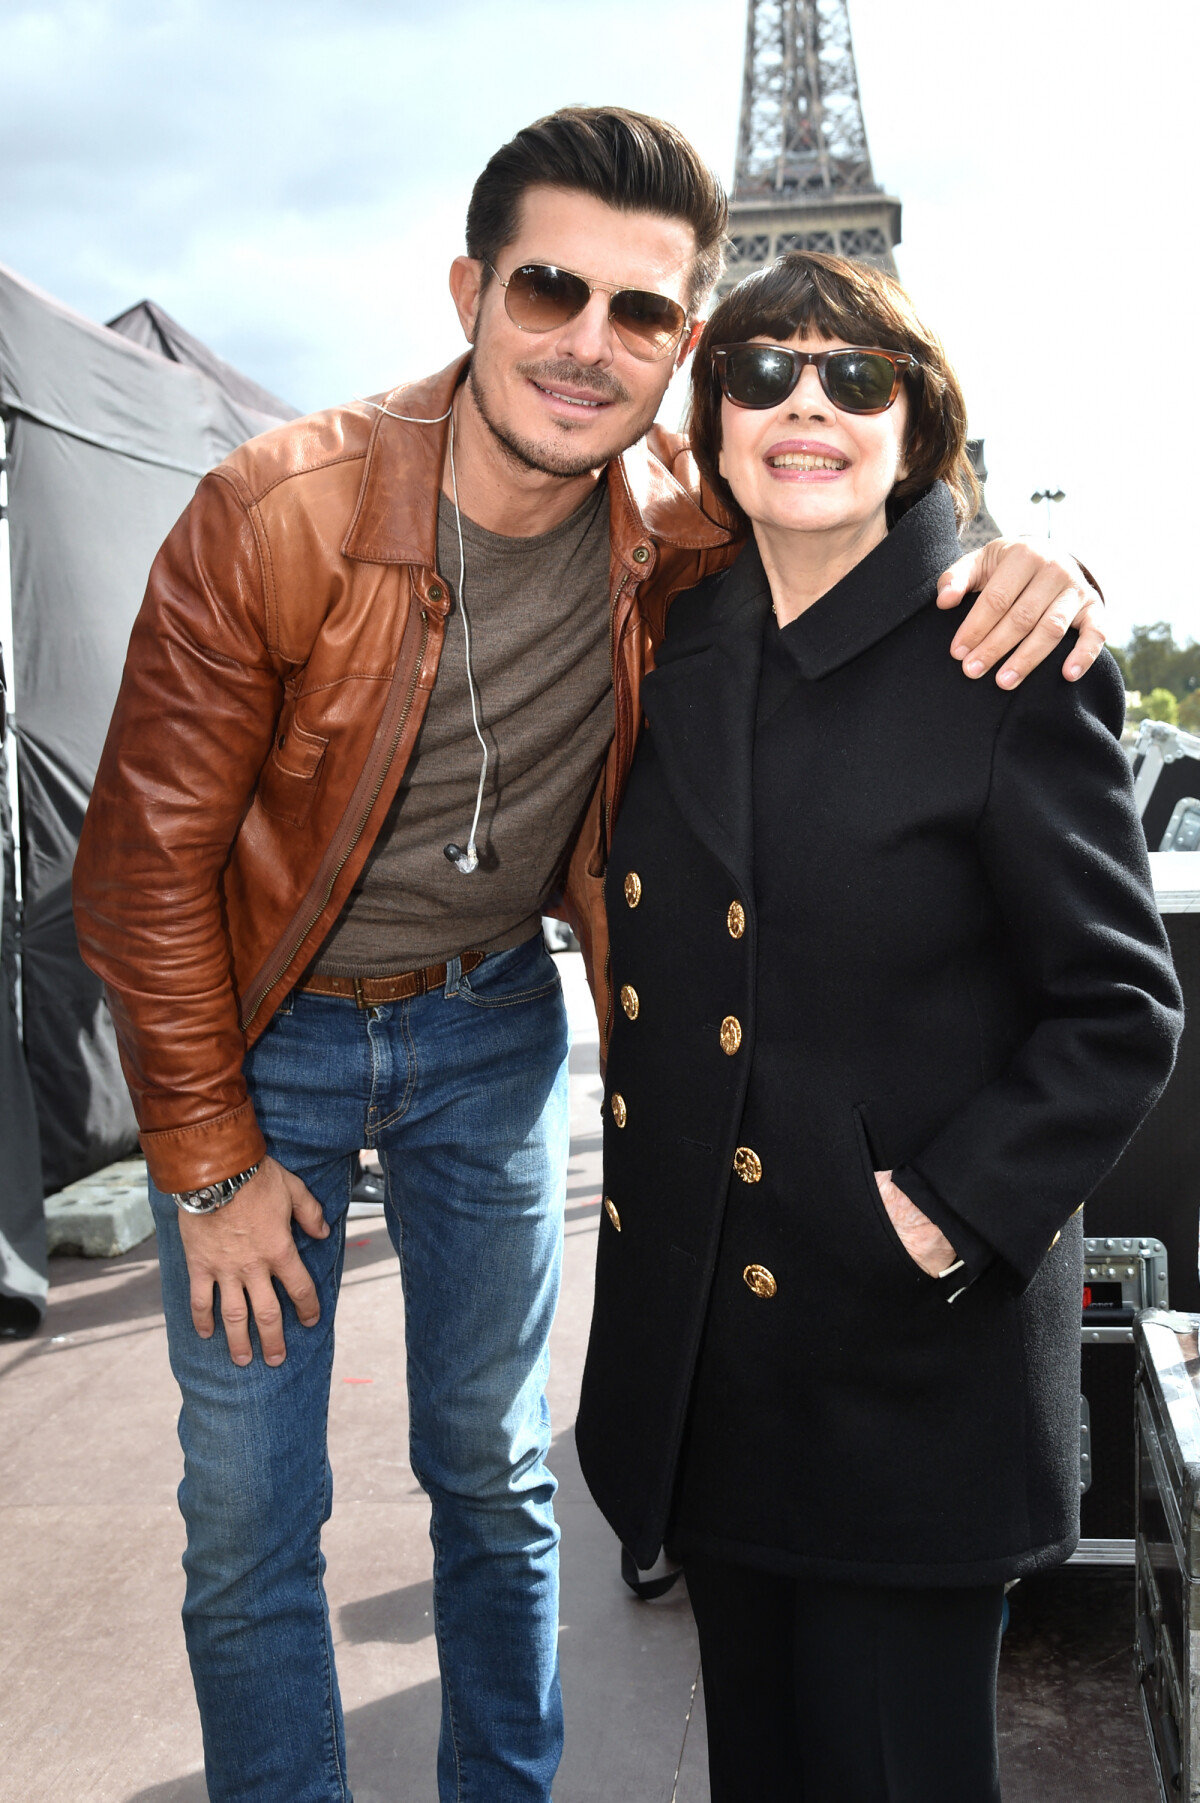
x: 647, y: 502
x: 396, y: 517
x: 890, y: 585
x: 395, y: 520
x: 700, y: 705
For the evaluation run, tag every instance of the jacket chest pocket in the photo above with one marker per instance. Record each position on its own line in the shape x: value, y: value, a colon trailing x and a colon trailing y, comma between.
x: 289, y: 777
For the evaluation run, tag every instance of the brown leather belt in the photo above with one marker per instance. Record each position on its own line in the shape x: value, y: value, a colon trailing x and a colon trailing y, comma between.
x: 370, y: 992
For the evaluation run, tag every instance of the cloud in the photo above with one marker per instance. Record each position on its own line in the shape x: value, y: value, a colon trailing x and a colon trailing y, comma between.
x: 289, y: 179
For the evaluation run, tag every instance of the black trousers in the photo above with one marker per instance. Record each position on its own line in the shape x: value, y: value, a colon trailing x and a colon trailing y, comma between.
x: 839, y: 1693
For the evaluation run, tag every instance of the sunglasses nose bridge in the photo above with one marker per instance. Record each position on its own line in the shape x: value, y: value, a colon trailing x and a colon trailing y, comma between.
x: 810, y: 386
x: 588, y: 332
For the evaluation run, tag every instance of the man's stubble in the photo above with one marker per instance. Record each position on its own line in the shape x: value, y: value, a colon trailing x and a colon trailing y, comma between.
x: 528, y: 454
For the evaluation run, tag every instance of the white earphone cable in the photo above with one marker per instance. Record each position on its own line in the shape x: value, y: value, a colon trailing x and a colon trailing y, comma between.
x: 469, y: 861
x: 408, y: 418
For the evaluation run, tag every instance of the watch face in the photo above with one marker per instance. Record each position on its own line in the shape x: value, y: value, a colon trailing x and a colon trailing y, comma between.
x: 199, y: 1201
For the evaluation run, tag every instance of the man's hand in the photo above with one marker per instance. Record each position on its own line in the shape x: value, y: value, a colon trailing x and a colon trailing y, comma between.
x: 240, y: 1248
x: 1027, y: 599
x: 925, y: 1244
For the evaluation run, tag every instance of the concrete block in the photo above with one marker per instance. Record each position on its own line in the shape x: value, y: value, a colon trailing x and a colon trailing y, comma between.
x: 103, y: 1215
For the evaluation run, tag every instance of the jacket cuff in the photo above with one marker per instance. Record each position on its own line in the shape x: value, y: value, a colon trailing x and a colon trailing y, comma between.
x: 182, y: 1158
x: 975, y: 1253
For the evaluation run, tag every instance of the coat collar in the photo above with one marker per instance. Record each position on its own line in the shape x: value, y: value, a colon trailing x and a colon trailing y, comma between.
x: 395, y: 520
x: 700, y: 705
x: 700, y: 700
x: 890, y: 585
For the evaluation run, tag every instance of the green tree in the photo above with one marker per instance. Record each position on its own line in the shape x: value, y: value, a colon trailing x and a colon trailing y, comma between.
x: 1159, y: 704
x: 1152, y: 660
x: 1189, y: 712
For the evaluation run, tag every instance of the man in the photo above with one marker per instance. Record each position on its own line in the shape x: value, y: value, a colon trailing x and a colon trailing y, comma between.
x: 306, y: 950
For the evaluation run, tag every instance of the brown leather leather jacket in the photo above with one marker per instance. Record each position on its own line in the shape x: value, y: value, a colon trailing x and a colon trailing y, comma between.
x: 278, y: 673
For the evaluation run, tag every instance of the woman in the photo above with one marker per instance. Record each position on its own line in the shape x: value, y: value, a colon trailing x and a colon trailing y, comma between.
x: 893, y: 996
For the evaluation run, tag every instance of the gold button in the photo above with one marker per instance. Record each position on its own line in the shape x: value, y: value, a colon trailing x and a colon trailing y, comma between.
x: 748, y: 1166
x: 629, y: 1000
x: 731, y: 1034
x: 619, y: 1112
x: 759, y: 1279
x: 610, y: 1209
x: 735, y: 920
x: 641, y: 554
x: 633, y: 888
x: 435, y: 593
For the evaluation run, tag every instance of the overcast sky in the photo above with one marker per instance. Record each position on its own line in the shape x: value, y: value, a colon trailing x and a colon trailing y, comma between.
x: 289, y: 180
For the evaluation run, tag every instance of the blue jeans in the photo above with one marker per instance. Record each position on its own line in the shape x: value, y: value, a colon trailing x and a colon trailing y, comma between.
x: 463, y: 1093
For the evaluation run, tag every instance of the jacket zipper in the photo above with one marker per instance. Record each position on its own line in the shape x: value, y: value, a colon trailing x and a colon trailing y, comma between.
x: 355, y: 836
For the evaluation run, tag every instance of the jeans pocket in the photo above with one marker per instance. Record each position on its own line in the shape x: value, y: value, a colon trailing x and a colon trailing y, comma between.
x: 524, y: 974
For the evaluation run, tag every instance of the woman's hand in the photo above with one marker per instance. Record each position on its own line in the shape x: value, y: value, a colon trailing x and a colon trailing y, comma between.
x: 1027, y: 599
x: 925, y: 1244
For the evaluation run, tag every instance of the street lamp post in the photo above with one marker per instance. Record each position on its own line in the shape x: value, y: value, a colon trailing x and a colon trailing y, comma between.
x: 1047, y: 495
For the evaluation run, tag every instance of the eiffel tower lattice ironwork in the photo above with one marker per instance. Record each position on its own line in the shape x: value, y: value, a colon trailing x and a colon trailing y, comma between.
x: 803, y: 179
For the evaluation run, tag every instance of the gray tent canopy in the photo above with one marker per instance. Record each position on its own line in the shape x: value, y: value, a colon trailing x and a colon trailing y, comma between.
x: 105, y: 434
x: 148, y: 325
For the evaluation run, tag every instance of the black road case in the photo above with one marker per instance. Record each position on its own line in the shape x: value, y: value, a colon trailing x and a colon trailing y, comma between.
x: 1152, y: 1196
x: 1167, y: 1567
x: 1166, y: 772
x: 1121, y: 1276
x: 1155, y: 1189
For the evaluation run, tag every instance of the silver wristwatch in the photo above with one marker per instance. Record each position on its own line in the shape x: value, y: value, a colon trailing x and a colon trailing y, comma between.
x: 206, y: 1201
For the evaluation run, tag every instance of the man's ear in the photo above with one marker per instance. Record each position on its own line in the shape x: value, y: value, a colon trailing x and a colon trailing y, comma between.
x: 466, y: 288
x: 688, y: 343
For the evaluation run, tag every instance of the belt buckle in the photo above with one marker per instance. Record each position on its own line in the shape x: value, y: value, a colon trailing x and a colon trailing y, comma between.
x: 360, y: 1000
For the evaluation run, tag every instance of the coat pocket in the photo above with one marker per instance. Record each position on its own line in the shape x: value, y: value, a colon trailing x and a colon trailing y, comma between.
x: 863, y: 1140
x: 289, y: 777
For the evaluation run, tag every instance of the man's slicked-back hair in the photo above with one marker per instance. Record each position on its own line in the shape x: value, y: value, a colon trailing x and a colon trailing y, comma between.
x: 628, y: 160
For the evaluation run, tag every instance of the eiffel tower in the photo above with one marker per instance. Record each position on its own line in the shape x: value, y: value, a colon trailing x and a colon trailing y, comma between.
x: 803, y: 179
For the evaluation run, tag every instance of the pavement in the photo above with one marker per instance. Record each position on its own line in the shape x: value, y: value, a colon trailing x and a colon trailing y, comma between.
x: 95, y: 1700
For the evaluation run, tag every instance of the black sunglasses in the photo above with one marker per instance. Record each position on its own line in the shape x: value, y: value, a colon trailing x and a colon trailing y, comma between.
x: 540, y: 297
x: 857, y: 380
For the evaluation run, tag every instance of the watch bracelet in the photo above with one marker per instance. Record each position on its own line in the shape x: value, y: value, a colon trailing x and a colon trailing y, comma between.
x: 212, y: 1196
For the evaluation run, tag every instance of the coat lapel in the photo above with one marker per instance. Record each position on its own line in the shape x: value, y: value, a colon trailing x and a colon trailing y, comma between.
x: 700, y: 705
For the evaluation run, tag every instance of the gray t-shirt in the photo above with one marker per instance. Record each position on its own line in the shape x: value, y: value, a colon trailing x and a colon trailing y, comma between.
x: 538, y: 610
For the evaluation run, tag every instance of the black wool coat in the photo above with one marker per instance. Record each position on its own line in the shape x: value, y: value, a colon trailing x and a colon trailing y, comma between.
x: 903, y: 921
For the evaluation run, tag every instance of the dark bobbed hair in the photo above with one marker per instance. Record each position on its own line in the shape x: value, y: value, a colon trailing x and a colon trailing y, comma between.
x: 628, y: 160
x: 830, y: 297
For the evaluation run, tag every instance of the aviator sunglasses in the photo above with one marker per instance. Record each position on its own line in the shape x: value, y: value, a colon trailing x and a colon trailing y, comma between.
x: 539, y: 297
x: 857, y: 380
